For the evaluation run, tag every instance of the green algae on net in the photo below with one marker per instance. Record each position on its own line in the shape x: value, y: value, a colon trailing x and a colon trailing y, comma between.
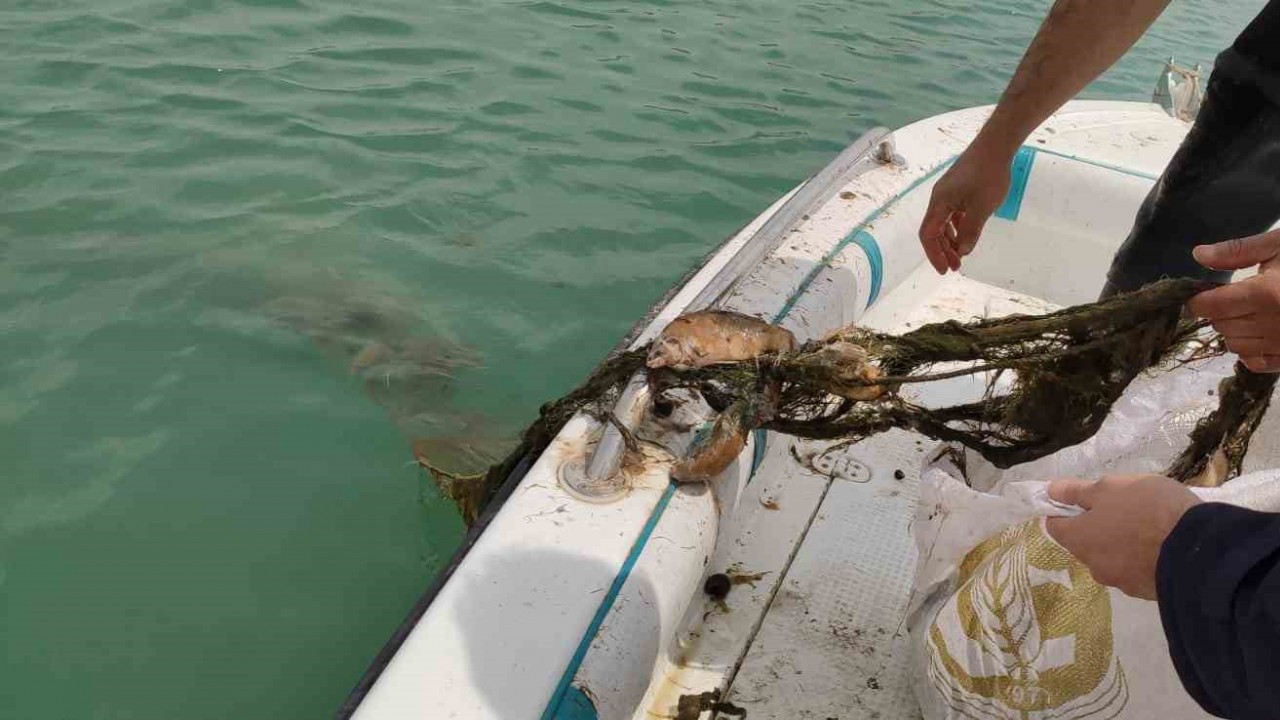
x: 1066, y: 369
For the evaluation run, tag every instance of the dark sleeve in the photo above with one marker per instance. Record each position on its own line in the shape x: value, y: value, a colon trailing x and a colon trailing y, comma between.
x: 1218, y: 581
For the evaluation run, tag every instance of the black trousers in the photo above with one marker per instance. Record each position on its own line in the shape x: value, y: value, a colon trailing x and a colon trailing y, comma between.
x: 1223, y: 182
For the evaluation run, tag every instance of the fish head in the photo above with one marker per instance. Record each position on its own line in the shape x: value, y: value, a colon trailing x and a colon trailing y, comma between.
x: 667, y: 352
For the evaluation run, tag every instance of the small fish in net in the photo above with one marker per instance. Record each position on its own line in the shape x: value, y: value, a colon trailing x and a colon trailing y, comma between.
x: 1063, y: 371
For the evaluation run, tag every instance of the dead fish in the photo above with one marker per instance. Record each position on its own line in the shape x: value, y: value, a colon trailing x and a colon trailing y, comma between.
x: 728, y: 437
x: 721, y: 446
x: 709, y: 337
x: 849, y: 367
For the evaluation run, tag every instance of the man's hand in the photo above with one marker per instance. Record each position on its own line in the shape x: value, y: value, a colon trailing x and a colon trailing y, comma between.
x: 1246, y: 313
x: 1077, y: 42
x: 1126, y: 520
x: 962, y: 202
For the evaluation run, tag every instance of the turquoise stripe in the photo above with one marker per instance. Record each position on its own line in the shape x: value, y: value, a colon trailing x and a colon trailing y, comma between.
x: 1019, y: 174
x: 1029, y: 152
x: 790, y: 304
x: 562, y: 688
x: 1095, y: 163
x: 576, y: 706
x: 867, y: 242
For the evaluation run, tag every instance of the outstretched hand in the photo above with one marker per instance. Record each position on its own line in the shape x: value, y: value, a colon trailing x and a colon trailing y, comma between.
x: 1126, y: 520
x: 963, y: 200
x: 1246, y: 313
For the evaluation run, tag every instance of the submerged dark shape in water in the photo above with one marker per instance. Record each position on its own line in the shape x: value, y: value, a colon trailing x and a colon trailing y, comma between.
x: 368, y: 333
x: 457, y: 464
x: 342, y: 322
x: 1068, y: 368
x: 403, y: 365
x: 412, y: 374
x: 409, y: 371
x: 461, y: 454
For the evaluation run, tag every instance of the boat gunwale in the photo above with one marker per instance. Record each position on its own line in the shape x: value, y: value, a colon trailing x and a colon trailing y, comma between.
x: 390, y: 649
x: 840, y: 170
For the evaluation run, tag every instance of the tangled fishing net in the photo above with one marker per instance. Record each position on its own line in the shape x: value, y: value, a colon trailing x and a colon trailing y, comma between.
x: 1051, y: 381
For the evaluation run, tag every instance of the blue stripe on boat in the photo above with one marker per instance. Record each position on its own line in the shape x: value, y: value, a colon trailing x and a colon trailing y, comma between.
x: 790, y: 304
x: 562, y: 688
x: 867, y: 242
x: 1020, y: 173
x: 1099, y: 164
x: 576, y: 706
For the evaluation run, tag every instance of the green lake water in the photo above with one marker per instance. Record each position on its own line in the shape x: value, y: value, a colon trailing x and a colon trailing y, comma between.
x: 250, y: 250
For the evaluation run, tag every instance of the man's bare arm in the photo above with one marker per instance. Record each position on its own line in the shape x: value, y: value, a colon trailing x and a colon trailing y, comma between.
x: 1077, y: 42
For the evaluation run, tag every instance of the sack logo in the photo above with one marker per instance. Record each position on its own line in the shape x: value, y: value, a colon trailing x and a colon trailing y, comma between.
x: 1026, y: 635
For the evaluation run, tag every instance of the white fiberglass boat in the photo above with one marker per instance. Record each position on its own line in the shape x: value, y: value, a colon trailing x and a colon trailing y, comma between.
x: 580, y: 593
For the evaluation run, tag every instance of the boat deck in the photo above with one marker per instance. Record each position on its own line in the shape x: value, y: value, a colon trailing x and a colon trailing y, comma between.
x: 835, y: 531
x: 565, y: 609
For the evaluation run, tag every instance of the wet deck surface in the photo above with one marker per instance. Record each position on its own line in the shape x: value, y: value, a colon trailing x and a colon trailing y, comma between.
x: 833, y: 642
